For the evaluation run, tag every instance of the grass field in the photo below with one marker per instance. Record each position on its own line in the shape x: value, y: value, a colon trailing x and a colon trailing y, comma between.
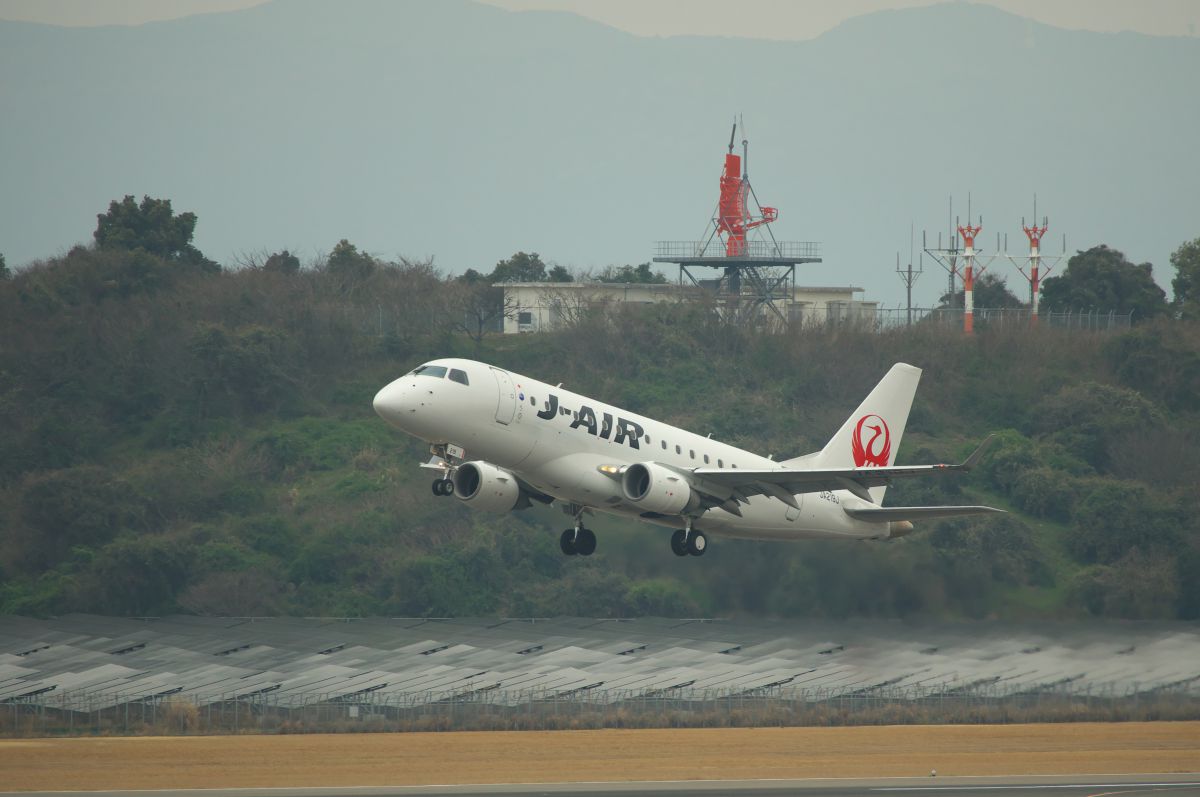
x: 606, y: 755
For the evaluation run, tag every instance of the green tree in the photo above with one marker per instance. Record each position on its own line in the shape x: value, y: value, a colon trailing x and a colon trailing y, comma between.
x: 991, y: 292
x: 1186, y: 285
x: 1090, y: 420
x: 1117, y: 517
x: 1102, y: 279
x: 1160, y: 360
x: 282, y: 263
x: 85, y: 506
x: 521, y: 267
x: 153, y: 227
x: 347, y: 262
x: 4, y: 272
x: 640, y: 273
x: 476, y: 307
x: 559, y: 274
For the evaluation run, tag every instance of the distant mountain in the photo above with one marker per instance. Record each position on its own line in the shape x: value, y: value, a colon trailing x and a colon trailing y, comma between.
x: 467, y: 132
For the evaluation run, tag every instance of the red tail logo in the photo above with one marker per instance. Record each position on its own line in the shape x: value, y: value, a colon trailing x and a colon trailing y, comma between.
x: 868, y: 447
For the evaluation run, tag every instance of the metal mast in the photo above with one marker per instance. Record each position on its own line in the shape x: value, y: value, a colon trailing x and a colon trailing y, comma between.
x: 1035, y: 260
x: 909, y: 276
x: 758, y: 273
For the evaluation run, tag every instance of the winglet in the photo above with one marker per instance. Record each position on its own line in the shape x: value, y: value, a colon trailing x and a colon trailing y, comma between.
x: 978, y: 453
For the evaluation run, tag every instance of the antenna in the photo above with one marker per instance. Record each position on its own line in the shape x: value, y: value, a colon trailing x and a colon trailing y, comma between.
x: 1035, y: 261
x: 946, y: 257
x: 757, y: 273
x: 970, y: 253
x: 908, y: 276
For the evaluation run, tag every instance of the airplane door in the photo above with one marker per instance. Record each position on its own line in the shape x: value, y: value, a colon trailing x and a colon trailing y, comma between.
x: 506, y: 404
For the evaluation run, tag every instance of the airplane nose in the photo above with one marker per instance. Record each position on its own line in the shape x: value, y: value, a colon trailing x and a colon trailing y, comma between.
x: 391, y: 403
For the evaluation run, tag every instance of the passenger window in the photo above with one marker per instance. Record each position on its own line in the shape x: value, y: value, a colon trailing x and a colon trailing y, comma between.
x: 734, y: 465
x: 459, y: 376
x: 564, y: 411
x: 706, y: 459
x: 532, y: 401
x: 436, y: 371
x: 692, y: 453
x: 664, y: 442
x: 678, y: 449
x: 647, y: 439
x: 720, y: 463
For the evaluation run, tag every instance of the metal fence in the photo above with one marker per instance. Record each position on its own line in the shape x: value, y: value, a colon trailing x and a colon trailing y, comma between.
x: 1003, y: 318
x: 82, y: 713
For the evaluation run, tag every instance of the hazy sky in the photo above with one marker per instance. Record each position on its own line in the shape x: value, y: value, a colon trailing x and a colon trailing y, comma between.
x: 775, y: 19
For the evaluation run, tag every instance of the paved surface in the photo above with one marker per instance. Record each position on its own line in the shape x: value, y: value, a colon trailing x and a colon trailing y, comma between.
x: 1163, y: 785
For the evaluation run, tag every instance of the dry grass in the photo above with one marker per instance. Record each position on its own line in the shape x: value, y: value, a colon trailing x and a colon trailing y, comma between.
x: 603, y: 755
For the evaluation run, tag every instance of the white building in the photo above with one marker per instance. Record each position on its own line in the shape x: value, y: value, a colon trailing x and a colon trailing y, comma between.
x: 533, y: 306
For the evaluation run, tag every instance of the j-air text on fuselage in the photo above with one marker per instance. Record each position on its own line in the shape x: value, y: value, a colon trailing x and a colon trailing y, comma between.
x: 501, y: 441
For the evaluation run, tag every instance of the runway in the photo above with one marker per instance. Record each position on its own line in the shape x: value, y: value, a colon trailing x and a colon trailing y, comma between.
x: 1160, y: 785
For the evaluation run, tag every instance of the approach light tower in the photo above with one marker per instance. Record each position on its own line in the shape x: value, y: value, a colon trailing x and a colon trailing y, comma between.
x: 757, y: 272
x: 1035, y: 260
x: 968, y: 234
x: 968, y: 261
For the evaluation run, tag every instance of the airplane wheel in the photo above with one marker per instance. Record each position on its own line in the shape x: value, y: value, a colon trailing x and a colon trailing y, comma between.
x: 697, y: 544
x: 567, y: 542
x: 438, y: 486
x: 585, y: 545
x: 679, y: 542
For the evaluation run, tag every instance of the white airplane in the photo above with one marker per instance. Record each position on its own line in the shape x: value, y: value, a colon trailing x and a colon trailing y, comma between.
x: 501, y: 440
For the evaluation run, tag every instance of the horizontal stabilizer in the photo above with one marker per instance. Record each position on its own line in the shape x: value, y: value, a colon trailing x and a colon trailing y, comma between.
x: 887, y: 514
x: 790, y: 481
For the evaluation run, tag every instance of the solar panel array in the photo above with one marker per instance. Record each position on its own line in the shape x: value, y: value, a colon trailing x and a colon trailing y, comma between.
x: 230, y: 658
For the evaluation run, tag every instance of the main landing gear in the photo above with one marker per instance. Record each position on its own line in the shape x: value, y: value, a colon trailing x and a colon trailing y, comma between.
x: 685, y: 542
x: 443, y: 487
x: 578, y: 541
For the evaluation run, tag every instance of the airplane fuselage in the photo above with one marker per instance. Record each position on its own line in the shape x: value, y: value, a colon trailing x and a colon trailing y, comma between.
x: 572, y: 448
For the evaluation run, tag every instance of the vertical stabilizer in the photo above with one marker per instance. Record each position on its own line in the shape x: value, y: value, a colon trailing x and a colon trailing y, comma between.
x: 870, y: 437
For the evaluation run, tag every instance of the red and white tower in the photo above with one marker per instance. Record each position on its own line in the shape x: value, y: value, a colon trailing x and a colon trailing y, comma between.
x: 968, y: 234
x: 1039, y: 264
x: 1034, y: 234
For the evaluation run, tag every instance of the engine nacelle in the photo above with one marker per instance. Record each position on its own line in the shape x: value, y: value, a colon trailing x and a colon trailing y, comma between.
x: 899, y: 528
x: 484, y: 486
x: 657, y: 489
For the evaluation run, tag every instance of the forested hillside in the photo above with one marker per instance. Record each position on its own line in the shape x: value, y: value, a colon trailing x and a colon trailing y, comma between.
x: 178, y: 437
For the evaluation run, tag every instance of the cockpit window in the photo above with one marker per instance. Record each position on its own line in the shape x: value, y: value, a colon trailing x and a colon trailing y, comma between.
x: 436, y: 371
x: 459, y: 376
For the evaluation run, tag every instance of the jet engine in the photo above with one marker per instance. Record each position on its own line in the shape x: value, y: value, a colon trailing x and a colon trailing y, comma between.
x: 482, y: 485
x: 657, y: 489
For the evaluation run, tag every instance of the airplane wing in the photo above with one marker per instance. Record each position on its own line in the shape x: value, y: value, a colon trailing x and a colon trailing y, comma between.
x: 784, y: 483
